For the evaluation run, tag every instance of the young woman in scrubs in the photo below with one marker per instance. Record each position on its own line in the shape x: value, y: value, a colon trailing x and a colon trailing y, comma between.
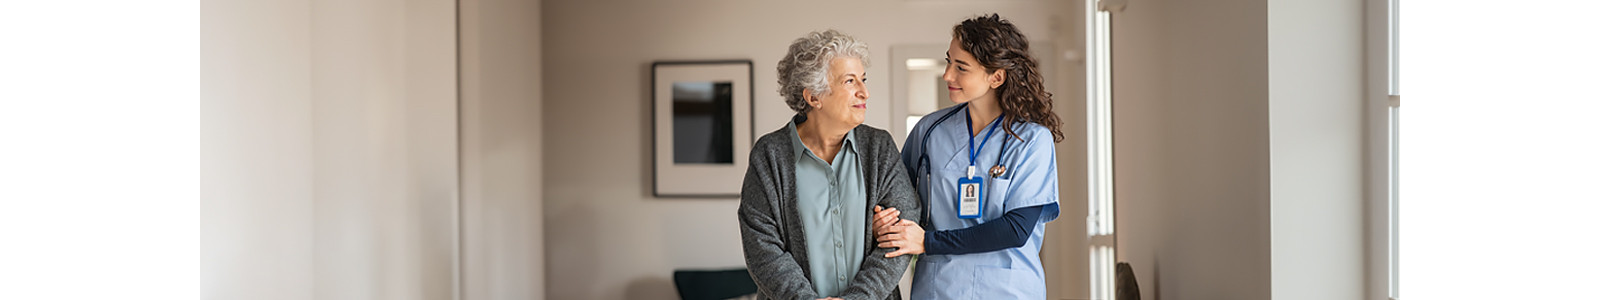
x: 982, y: 246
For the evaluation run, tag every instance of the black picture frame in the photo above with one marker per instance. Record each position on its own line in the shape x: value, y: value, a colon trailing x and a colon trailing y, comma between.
x: 686, y: 97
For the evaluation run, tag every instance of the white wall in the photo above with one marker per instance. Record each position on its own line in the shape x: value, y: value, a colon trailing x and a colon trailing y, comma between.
x: 1190, y: 90
x: 1316, y: 81
x: 501, y: 141
x: 255, y: 150
x: 328, y: 150
x: 606, y: 236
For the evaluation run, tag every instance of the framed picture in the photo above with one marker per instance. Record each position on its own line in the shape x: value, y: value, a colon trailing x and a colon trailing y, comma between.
x: 701, y: 116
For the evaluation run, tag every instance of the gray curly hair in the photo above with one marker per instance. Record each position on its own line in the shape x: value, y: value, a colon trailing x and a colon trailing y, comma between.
x: 806, y: 65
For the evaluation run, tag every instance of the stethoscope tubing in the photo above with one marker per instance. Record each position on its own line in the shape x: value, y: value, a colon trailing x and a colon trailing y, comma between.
x: 924, y: 166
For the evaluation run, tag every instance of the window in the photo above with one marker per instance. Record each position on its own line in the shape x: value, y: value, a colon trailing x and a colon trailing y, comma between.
x: 1393, y: 167
x: 1500, y: 147
x: 1101, y: 219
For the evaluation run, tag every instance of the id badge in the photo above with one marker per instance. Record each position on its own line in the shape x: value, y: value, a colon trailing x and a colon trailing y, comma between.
x: 970, y: 202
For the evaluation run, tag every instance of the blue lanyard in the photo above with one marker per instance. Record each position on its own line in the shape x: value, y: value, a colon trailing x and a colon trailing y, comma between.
x: 972, y: 153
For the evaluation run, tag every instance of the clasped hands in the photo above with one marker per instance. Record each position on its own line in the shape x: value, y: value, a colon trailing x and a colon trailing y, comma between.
x: 893, y: 232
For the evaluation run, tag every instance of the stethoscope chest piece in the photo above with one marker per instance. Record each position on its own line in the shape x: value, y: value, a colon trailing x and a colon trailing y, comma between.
x: 997, y: 170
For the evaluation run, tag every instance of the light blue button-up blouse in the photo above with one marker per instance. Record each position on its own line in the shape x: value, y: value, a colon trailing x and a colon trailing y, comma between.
x: 832, y: 203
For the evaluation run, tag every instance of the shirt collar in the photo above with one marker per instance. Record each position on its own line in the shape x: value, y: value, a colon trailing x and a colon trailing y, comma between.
x: 800, y: 147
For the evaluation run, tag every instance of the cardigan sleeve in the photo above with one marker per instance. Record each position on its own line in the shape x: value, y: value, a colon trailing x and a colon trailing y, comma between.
x: 766, y: 253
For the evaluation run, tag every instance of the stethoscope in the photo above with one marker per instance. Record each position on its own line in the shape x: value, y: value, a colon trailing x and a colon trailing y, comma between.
x: 923, y: 162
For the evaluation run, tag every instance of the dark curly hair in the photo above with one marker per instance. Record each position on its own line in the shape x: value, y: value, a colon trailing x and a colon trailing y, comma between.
x: 999, y: 45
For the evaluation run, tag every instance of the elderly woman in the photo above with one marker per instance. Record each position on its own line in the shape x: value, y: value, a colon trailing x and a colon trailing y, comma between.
x: 803, y: 210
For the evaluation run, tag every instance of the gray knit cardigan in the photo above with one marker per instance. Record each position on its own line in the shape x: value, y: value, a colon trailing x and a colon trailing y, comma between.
x: 774, y: 239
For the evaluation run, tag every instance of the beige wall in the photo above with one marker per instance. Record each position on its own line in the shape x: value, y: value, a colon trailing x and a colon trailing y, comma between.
x: 1139, y: 131
x: 606, y: 236
x: 501, y: 166
x: 383, y: 109
x: 328, y: 150
x: 1239, y: 148
x: 1193, y: 192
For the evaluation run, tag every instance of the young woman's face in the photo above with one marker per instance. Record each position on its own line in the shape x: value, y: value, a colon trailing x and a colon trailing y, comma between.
x: 847, y: 101
x: 967, y: 79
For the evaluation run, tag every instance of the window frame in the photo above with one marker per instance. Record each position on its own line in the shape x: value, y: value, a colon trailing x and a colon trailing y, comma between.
x: 1101, y: 219
x: 1382, y: 138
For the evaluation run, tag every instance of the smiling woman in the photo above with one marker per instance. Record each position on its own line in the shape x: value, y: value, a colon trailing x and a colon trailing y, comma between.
x: 806, y: 196
x: 978, y: 221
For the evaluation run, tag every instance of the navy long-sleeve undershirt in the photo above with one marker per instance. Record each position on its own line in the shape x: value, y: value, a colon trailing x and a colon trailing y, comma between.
x: 1009, y: 231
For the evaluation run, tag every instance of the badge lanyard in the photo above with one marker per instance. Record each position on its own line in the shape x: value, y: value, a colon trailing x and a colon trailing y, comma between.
x: 970, y: 188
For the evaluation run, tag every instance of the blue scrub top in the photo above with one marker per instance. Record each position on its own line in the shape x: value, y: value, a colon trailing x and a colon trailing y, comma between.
x: 1029, y: 180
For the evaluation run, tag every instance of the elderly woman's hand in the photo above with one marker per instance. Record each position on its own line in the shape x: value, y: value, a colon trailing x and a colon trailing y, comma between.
x: 883, y: 218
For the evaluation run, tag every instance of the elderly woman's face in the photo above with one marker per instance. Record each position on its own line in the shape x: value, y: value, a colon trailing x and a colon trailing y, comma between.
x: 847, y: 102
